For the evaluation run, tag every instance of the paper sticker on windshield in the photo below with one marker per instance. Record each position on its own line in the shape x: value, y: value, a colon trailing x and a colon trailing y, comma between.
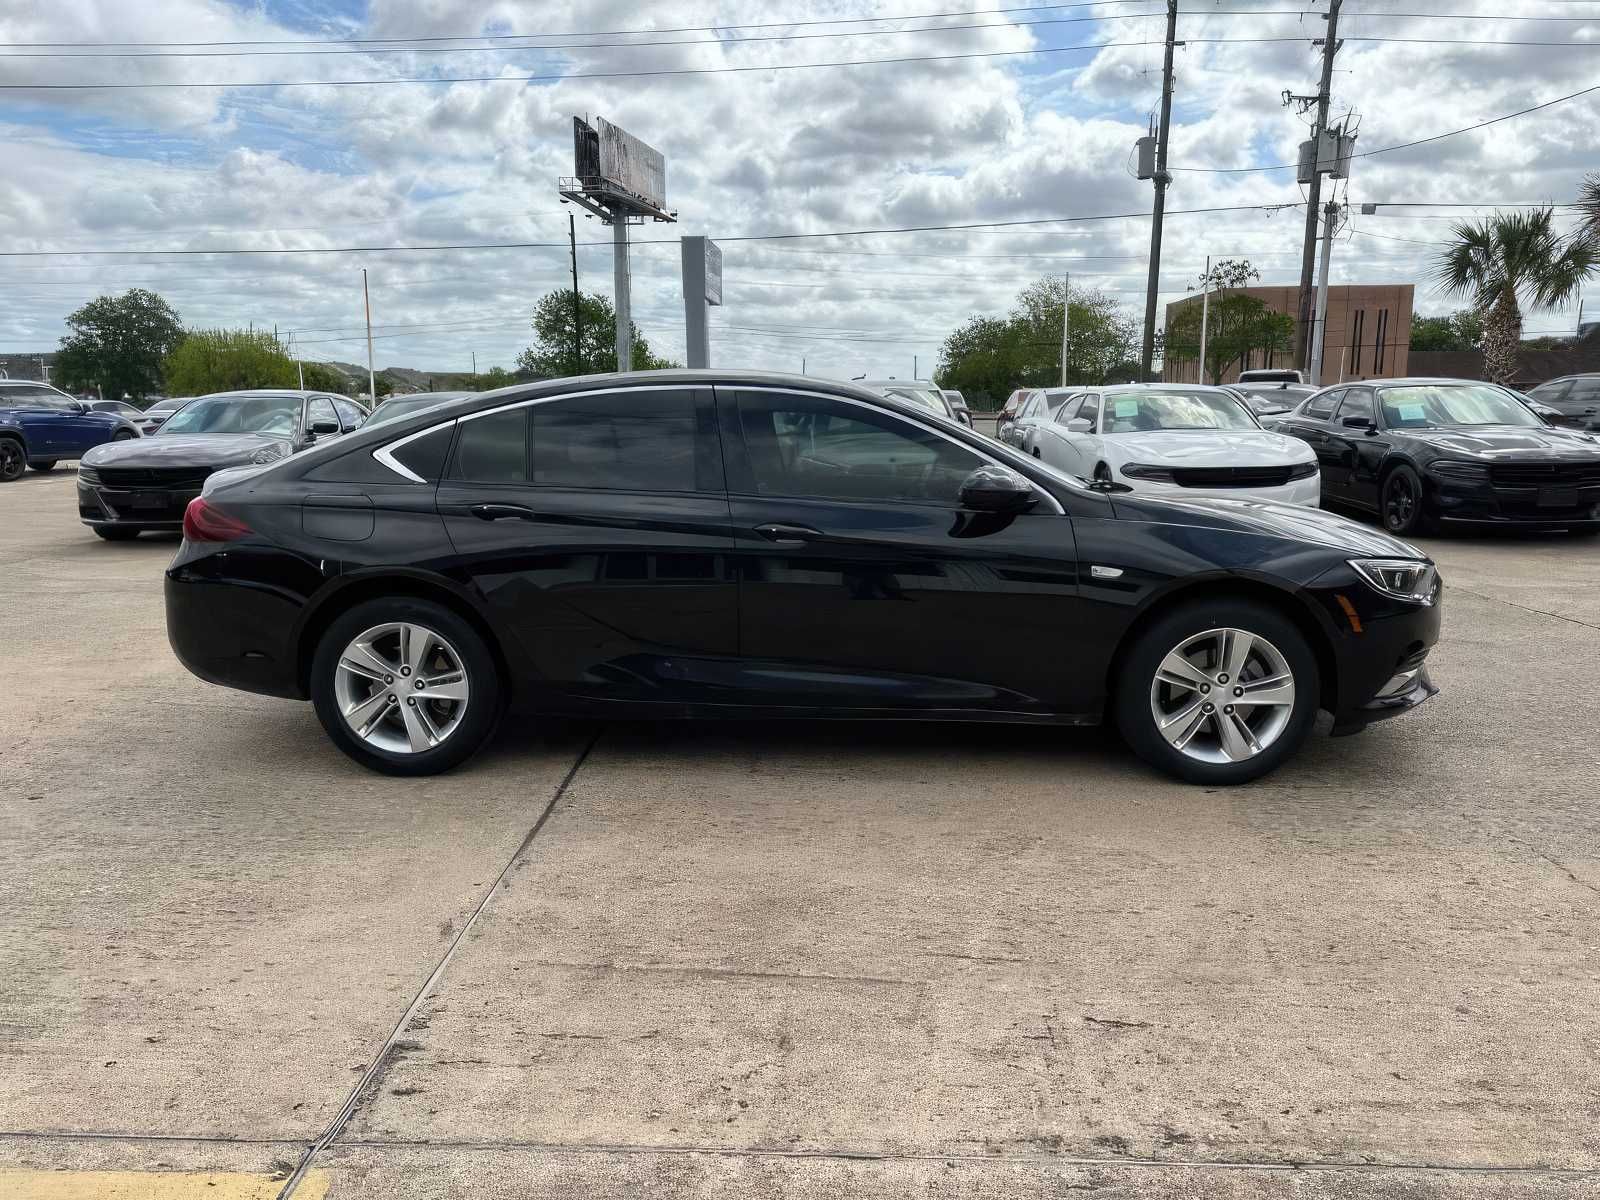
x: 1412, y: 412
x: 1127, y: 408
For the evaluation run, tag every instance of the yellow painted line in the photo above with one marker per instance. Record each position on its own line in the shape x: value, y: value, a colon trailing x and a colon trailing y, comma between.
x: 18, y: 1184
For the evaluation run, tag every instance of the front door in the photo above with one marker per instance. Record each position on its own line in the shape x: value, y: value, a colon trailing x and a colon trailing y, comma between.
x: 864, y: 584
x: 596, y: 525
x: 1349, y: 467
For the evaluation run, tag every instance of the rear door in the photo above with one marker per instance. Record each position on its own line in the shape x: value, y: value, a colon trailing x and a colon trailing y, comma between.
x: 1345, y: 446
x: 863, y: 583
x: 595, y: 527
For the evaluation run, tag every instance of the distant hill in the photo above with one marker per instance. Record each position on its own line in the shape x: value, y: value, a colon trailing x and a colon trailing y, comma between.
x: 406, y: 379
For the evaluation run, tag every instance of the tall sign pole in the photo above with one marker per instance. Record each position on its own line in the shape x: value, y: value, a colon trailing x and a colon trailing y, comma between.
x: 372, y: 379
x: 702, y: 287
x: 621, y: 180
x: 577, y: 299
x: 1066, y: 321
x: 1330, y: 47
x: 1205, y: 315
x: 1147, y: 353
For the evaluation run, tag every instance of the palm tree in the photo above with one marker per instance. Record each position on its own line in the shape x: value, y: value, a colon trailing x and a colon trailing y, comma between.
x: 1506, y: 260
x: 1589, y: 205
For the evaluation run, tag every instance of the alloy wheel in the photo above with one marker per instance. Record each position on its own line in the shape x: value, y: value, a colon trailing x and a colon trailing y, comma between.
x: 401, y: 687
x: 1222, y: 696
x: 12, y: 461
x: 1399, y: 502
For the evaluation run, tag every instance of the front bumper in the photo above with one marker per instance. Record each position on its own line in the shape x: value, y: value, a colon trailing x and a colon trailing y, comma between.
x: 133, y: 508
x: 1520, y: 507
x: 1418, y: 690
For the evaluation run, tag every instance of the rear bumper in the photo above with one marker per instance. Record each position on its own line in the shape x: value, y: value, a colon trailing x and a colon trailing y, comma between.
x: 233, y: 633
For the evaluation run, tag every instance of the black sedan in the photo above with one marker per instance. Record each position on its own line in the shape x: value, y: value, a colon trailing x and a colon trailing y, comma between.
x: 1422, y: 453
x: 709, y: 544
x: 129, y: 487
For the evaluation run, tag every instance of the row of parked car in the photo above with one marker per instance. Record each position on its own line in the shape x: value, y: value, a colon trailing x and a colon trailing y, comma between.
x: 1418, y: 453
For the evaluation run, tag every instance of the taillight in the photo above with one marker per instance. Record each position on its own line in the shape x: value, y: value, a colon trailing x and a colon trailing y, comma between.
x: 204, y: 522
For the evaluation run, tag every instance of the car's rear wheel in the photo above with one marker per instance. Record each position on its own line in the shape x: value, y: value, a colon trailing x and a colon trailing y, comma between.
x: 123, y: 435
x: 1401, y: 504
x: 405, y: 686
x: 1219, y: 691
x: 115, y: 533
x: 13, y: 460
x: 46, y: 464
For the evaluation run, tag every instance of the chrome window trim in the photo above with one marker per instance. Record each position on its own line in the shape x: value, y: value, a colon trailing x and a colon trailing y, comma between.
x: 898, y: 416
x: 385, y: 453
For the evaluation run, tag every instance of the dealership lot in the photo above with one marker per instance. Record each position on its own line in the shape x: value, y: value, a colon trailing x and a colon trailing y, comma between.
x: 760, y: 958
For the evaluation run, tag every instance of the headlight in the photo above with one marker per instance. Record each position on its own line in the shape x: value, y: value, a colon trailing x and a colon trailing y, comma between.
x: 1460, y: 471
x: 266, y: 455
x: 1400, y: 578
x: 1145, y: 471
x: 1303, y: 470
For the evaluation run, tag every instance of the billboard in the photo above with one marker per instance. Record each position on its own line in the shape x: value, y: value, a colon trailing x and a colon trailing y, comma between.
x: 609, y: 156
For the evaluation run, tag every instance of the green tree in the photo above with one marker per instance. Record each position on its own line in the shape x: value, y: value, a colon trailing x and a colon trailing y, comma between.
x: 989, y: 357
x: 1589, y: 206
x: 118, y: 343
x: 222, y: 360
x: 494, y: 377
x: 320, y: 377
x: 1236, y: 325
x: 551, y: 356
x: 1508, y: 260
x: 1460, y: 330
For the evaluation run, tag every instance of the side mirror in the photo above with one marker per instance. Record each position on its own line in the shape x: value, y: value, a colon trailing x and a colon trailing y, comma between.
x: 1359, y: 423
x: 997, y: 489
x: 324, y: 428
x: 1080, y: 425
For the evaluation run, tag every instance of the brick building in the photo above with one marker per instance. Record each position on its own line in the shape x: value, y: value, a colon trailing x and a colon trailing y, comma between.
x: 1368, y: 333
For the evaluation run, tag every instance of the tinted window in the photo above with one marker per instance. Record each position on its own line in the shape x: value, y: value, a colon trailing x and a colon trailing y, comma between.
x: 36, y: 396
x: 1069, y: 410
x: 1320, y: 408
x: 811, y: 447
x: 425, y: 455
x: 493, y: 449
x: 1547, y: 393
x: 636, y: 441
x: 349, y: 413
x: 1585, y: 392
x: 1091, y: 412
x: 1357, y: 403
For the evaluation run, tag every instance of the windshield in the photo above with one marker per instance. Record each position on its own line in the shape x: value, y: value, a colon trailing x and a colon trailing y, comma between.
x: 278, y: 415
x: 1419, y: 405
x: 166, y: 406
x: 1140, y: 412
x: 929, y: 400
x: 391, y: 410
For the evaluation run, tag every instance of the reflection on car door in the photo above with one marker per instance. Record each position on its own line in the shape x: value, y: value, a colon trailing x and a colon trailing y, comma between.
x: 1349, y: 464
x: 1309, y: 423
x: 1055, y: 444
x: 865, y: 585
x: 596, y: 525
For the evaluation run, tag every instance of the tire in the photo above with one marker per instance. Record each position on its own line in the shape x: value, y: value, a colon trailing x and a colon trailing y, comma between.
x: 123, y: 435
x: 13, y: 460
x: 336, y: 689
x: 1402, y: 505
x: 115, y: 533
x: 43, y: 465
x: 1277, y: 646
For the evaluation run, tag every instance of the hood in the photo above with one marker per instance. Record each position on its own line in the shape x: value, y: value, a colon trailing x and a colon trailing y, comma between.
x: 1510, y: 443
x: 1291, y: 522
x: 1208, y: 448
x: 185, y: 450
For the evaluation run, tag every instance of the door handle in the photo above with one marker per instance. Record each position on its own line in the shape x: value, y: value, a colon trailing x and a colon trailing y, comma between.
x: 502, y: 512
x: 788, y: 535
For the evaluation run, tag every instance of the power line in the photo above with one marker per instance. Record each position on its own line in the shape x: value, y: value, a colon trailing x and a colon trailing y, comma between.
x: 1438, y: 137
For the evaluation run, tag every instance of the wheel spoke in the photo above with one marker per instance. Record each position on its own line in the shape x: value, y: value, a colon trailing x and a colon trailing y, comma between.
x: 362, y: 669
x: 415, y: 642
x: 1272, y: 689
x: 1238, y: 742
x: 416, y: 728
x: 449, y: 685
x: 1179, y: 726
x: 363, y: 653
x: 1236, y: 647
x: 364, y: 717
x: 1180, y: 672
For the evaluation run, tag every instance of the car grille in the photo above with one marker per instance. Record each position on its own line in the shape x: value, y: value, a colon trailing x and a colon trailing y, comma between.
x: 1231, y: 477
x: 1535, y: 475
x: 145, y: 477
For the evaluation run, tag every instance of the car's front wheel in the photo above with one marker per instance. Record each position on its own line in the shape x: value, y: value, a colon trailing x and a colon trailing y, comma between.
x: 13, y: 460
x: 1402, y: 503
x: 1218, y: 691
x: 405, y: 686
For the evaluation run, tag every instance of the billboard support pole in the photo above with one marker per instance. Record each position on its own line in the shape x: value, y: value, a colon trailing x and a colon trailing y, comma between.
x: 619, y: 250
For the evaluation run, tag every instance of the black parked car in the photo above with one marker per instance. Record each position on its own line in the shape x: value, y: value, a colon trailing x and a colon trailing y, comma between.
x: 704, y: 544
x: 129, y: 487
x: 1421, y: 452
x: 1575, y: 399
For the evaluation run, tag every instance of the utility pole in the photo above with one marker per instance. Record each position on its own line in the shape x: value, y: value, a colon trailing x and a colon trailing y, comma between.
x: 474, y: 368
x: 914, y: 367
x: 372, y: 379
x: 299, y: 366
x: 1330, y: 221
x: 577, y: 300
x: 1330, y: 47
x: 623, y: 288
x: 1066, y: 320
x: 1205, y: 314
x: 1161, y: 180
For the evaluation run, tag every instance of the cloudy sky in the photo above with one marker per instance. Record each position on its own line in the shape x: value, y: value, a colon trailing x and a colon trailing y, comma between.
x: 290, y: 128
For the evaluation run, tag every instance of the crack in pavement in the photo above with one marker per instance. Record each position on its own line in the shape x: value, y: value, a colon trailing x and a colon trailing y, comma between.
x: 1524, y: 607
x: 396, y: 1043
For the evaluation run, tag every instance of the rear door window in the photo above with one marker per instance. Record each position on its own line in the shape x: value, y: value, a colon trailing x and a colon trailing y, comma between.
x: 1320, y: 408
x: 642, y: 441
x: 493, y: 448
